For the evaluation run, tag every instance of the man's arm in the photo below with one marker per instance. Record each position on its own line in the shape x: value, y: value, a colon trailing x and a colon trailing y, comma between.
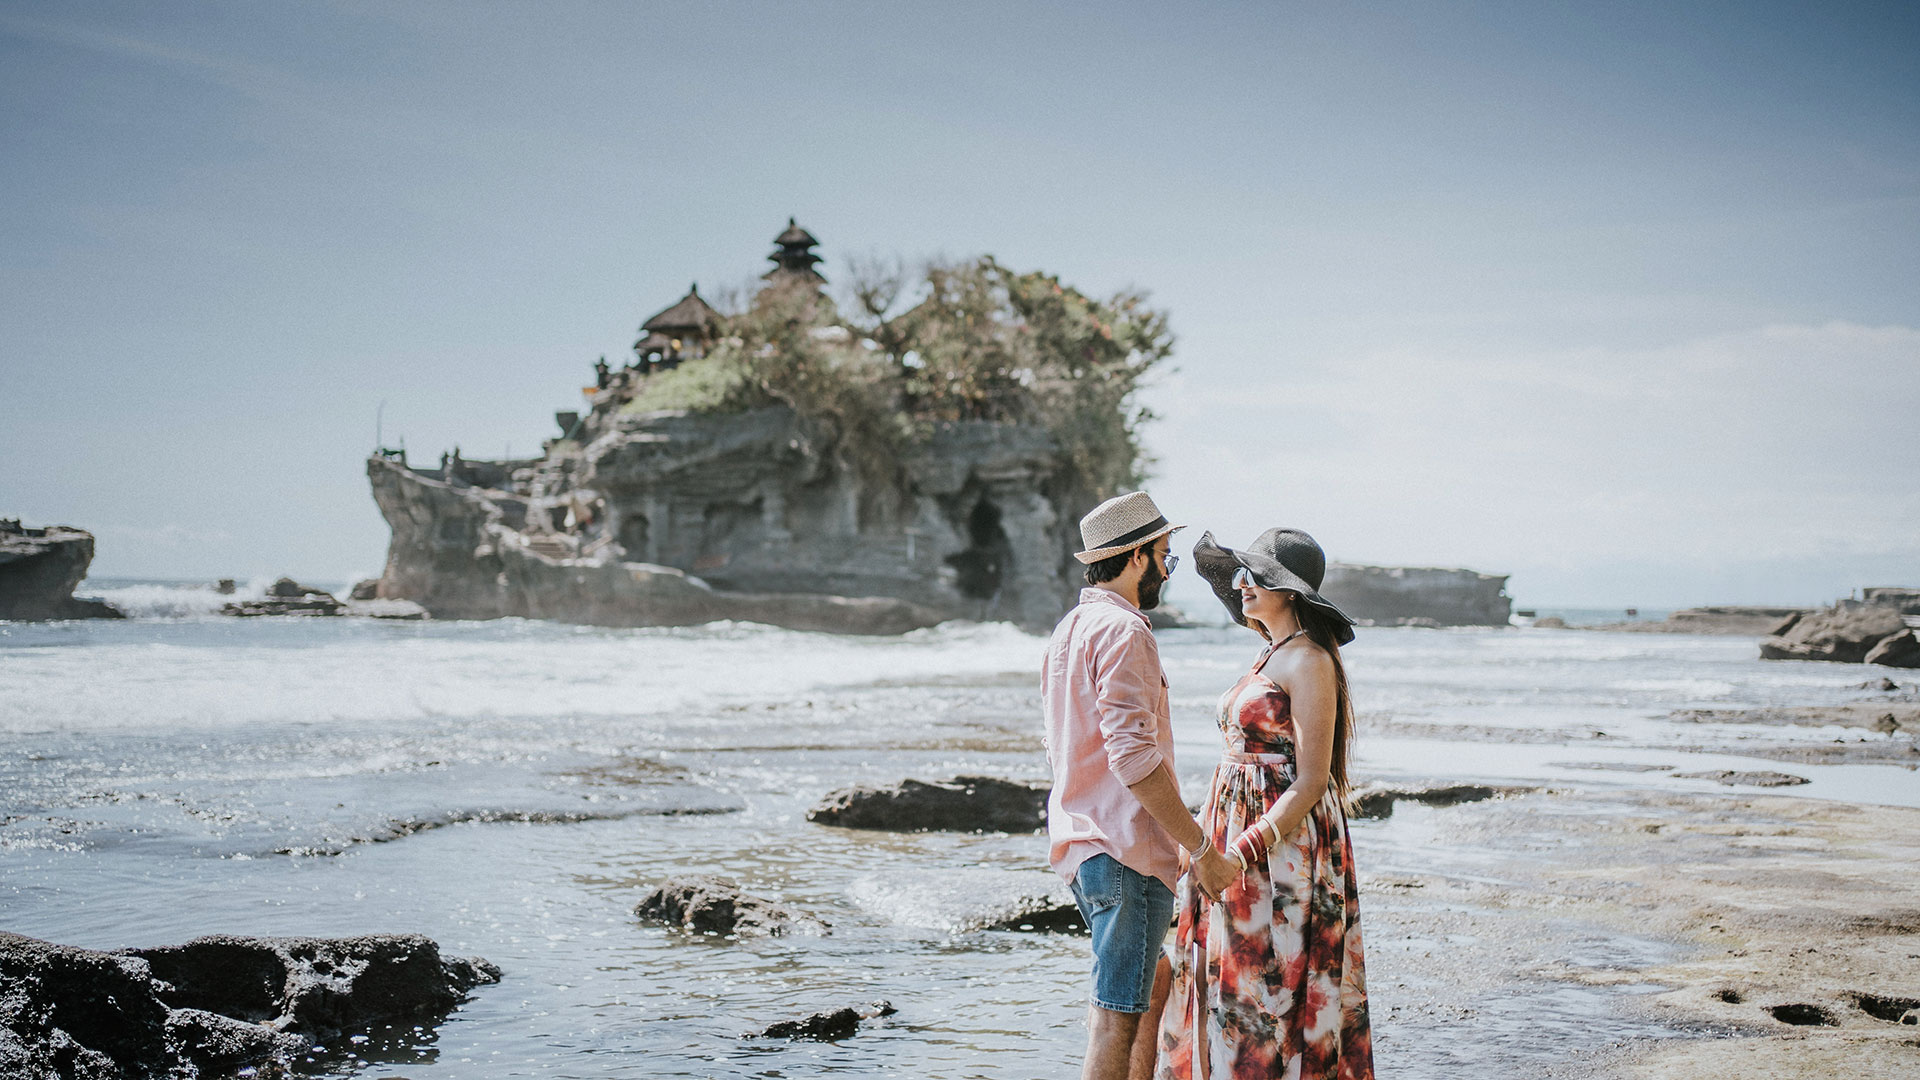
x: 1128, y: 675
x: 1160, y: 794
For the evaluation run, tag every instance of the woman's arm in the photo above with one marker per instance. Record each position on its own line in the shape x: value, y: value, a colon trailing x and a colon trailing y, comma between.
x: 1307, y: 677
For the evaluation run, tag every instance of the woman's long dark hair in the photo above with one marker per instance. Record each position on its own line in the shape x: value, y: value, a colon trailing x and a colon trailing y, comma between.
x: 1320, y: 628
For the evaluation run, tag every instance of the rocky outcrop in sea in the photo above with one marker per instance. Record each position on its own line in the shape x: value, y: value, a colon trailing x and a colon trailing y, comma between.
x: 830, y: 1026
x: 39, y: 569
x: 707, y: 904
x: 287, y: 597
x: 962, y: 804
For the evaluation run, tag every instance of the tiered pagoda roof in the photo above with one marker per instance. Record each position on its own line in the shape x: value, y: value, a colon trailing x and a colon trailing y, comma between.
x: 795, y: 260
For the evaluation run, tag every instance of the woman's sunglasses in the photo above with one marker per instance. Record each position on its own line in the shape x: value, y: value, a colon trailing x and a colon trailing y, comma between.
x: 1244, y: 580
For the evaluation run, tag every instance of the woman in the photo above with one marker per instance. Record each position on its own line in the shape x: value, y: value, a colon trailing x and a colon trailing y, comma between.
x: 1271, y: 981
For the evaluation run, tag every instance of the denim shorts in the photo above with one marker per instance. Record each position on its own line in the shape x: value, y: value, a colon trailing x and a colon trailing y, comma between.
x: 1128, y: 913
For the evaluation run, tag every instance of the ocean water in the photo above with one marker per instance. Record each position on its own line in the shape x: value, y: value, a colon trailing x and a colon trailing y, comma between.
x: 513, y: 788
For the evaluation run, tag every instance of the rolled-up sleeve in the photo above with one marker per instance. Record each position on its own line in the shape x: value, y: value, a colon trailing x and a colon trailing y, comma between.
x: 1127, y: 671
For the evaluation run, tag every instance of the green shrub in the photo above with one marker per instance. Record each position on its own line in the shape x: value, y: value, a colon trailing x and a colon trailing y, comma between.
x: 984, y: 343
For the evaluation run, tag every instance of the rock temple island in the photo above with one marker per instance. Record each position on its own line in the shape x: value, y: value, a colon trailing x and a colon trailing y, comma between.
x: 865, y: 472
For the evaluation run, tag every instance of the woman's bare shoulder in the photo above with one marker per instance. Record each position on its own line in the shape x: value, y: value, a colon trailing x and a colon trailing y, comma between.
x: 1300, y: 659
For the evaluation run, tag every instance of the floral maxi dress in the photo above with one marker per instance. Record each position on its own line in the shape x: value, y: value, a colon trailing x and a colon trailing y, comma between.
x: 1271, y: 981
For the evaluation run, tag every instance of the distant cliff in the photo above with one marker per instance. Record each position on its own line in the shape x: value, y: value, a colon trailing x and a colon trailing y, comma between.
x: 1418, y: 595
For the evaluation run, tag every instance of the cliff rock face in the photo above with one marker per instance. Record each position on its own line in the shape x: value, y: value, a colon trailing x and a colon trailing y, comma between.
x: 39, y: 569
x: 674, y: 518
x: 1418, y: 595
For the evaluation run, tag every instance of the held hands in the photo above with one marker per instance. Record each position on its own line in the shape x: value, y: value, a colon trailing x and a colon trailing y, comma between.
x: 1213, y: 872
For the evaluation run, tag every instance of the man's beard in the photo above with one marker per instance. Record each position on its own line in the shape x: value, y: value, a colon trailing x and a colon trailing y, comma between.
x: 1151, y: 582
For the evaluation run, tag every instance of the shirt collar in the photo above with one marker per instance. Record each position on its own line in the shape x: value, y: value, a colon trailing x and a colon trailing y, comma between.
x: 1092, y: 595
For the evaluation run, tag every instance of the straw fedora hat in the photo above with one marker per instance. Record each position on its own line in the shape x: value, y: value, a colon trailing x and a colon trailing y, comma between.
x: 1122, y: 523
x: 1277, y: 559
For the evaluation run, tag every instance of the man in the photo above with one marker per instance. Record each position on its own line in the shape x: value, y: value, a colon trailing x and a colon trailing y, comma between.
x: 1115, y: 820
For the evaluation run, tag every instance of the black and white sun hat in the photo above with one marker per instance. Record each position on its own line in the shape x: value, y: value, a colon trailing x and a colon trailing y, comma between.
x: 1122, y: 523
x: 1278, y: 559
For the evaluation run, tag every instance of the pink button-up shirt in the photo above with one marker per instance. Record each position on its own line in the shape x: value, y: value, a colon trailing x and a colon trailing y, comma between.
x: 1105, y: 699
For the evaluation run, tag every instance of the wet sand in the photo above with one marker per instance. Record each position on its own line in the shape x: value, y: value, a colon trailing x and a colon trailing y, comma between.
x: 1734, y: 936
x: 1785, y: 903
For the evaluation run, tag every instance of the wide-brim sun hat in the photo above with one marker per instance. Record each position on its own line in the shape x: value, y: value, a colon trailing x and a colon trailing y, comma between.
x: 1122, y: 523
x: 1278, y: 559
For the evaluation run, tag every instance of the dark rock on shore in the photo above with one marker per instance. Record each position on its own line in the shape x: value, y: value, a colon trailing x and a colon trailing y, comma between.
x: 825, y: 1026
x: 1377, y: 802
x: 219, y: 1045
x: 39, y: 569
x: 963, y: 804
x: 317, y: 987
x: 706, y: 904
x: 67, y: 1012
x: 288, y: 597
x: 212, y: 1005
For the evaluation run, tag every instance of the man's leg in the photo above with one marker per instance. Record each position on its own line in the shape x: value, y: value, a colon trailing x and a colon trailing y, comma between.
x: 1146, y: 1040
x: 1109, y: 1043
x: 1127, y: 915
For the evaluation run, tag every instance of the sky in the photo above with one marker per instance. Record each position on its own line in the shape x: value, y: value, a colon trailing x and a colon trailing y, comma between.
x: 1620, y: 299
